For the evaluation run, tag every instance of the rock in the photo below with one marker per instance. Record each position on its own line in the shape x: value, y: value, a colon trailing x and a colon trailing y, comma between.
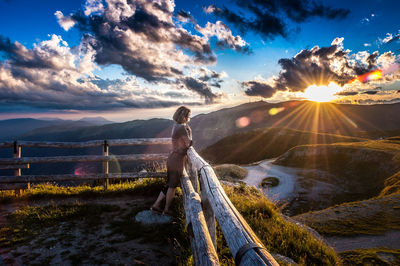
x: 149, y: 217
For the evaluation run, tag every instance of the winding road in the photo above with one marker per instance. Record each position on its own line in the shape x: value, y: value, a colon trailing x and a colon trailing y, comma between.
x: 286, y: 175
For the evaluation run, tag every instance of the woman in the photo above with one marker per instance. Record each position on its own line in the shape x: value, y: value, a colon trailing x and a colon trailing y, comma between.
x: 181, y: 141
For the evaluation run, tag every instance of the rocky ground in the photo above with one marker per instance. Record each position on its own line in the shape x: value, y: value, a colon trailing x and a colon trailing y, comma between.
x: 111, y: 238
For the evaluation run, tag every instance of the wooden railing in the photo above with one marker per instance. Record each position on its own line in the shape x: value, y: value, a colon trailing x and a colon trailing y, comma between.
x: 244, y: 245
x: 18, y: 162
x: 205, y: 200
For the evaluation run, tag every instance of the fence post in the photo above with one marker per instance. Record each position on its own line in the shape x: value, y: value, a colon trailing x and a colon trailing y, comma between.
x: 105, y: 165
x: 17, y: 171
x: 206, y: 207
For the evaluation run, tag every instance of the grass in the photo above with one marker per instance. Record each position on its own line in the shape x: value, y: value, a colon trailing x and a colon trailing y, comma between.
x: 392, y: 185
x: 371, y: 217
x: 260, y: 144
x: 374, y: 256
x: 145, y: 186
x: 230, y: 172
x: 277, y: 234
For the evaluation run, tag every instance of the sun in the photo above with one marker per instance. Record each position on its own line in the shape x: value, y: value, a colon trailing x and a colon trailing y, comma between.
x: 322, y: 93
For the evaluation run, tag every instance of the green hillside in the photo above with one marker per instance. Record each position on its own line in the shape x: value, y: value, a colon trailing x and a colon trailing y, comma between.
x: 260, y: 144
x: 364, y: 169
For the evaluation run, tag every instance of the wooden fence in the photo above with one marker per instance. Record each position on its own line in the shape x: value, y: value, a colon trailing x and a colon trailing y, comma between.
x: 205, y: 201
x: 18, y: 162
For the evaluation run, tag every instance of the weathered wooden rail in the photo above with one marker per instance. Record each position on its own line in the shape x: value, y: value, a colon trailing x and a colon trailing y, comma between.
x: 18, y: 162
x: 205, y: 201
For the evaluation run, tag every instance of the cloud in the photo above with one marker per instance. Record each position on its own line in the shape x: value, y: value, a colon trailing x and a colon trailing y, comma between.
x: 322, y: 65
x: 370, y: 92
x: 269, y: 18
x: 347, y: 93
x: 185, y: 16
x: 224, y: 36
x: 65, y: 22
x: 52, y: 75
x: 367, y: 44
x: 146, y: 38
x: 389, y: 38
x: 200, y: 87
x: 258, y: 88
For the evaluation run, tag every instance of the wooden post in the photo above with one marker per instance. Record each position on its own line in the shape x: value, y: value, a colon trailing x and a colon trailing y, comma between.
x: 106, y: 165
x: 206, y: 207
x: 244, y: 245
x: 17, y: 171
x: 204, y: 253
x: 210, y: 218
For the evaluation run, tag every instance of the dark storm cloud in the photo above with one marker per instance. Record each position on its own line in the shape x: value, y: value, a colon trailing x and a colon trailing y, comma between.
x: 370, y: 92
x: 150, y: 26
x: 268, y: 17
x: 317, y: 66
x: 257, y: 88
x: 347, y: 93
x: 200, y: 87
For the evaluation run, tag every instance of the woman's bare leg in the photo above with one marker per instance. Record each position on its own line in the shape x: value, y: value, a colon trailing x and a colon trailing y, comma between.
x: 170, y: 197
x: 157, y: 204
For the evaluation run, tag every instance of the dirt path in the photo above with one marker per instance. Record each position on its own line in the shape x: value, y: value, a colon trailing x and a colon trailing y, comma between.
x: 286, y: 175
x: 75, y: 241
x: 390, y: 239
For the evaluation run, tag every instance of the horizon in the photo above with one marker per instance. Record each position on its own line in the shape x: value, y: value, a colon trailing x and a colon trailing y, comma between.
x: 169, y: 115
x: 80, y: 58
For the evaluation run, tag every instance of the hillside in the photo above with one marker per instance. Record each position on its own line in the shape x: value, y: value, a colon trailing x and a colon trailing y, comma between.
x: 260, y: 144
x: 354, y: 171
x: 372, y: 216
x: 382, y: 120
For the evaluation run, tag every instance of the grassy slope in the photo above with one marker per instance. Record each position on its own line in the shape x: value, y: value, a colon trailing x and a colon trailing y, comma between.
x: 259, y: 144
x: 372, y: 216
x: 374, y: 256
x: 278, y: 235
x: 362, y: 166
x: 230, y: 172
x: 392, y: 185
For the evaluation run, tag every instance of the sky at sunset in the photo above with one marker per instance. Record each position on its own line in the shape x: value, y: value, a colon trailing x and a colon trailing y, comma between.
x: 130, y: 59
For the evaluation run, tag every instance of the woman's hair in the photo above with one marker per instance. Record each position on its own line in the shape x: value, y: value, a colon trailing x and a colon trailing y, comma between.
x: 181, y: 115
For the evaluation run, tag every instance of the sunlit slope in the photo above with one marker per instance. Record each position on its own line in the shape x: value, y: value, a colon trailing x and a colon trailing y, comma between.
x: 260, y: 144
x: 372, y: 216
x: 362, y: 166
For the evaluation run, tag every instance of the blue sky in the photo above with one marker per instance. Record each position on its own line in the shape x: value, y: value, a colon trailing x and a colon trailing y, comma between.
x: 120, y: 88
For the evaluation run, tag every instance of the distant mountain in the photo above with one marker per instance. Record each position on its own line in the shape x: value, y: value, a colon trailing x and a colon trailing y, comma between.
x: 98, y: 120
x: 133, y: 129
x: 11, y: 128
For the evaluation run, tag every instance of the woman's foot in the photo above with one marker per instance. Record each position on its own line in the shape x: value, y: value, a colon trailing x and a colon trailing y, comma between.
x: 168, y: 213
x: 156, y: 209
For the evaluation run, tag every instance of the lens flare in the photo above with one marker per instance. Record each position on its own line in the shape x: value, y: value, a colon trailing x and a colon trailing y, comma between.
x: 373, y: 75
x: 243, y: 121
x: 274, y: 111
